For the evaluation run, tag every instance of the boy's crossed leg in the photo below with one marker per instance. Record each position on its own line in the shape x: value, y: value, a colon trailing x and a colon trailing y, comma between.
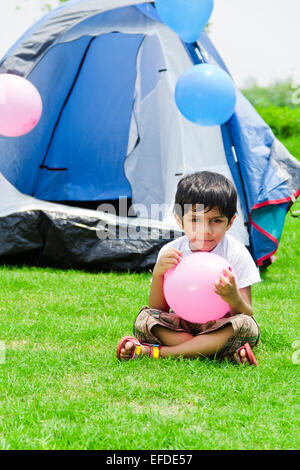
x: 184, y: 344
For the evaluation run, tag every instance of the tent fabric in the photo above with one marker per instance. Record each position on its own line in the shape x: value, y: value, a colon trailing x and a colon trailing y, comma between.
x: 32, y: 45
x: 271, y: 173
x: 78, y: 147
x: 106, y: 71
x: 70, y: 237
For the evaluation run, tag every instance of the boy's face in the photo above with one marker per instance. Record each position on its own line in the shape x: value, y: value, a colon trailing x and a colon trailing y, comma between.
x: 204, y: 229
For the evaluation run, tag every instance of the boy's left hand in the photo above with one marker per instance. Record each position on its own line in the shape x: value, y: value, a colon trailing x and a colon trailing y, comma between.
x: 226, y: 287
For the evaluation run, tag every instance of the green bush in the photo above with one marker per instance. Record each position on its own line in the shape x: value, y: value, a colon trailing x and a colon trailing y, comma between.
x: 280, y: 93
x: 293, y: 145
x: 284, y: 121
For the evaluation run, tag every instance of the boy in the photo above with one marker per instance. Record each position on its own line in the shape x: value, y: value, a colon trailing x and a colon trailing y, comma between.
x: 161, y: 333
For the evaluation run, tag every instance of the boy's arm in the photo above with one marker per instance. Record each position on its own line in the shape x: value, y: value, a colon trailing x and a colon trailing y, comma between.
x: 156, y: 296
x: 167, y: 260
x: 243, y: 304
x: 239, y: 300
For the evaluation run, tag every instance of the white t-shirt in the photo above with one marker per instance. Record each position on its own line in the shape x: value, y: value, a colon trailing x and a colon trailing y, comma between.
x: 230, y: 249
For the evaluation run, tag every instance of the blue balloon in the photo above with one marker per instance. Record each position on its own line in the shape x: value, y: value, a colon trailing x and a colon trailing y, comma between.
x: 186, y: 17
x: 205, y: 95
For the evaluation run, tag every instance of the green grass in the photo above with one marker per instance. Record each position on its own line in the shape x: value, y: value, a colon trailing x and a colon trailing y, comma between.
x: 61, y: 386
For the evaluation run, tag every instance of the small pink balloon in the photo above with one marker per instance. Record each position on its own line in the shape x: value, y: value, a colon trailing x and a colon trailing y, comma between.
x: 20, y: 105
x: 189, y: 287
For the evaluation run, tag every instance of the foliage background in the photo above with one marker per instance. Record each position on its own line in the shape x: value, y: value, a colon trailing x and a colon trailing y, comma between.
x: 279, y: 106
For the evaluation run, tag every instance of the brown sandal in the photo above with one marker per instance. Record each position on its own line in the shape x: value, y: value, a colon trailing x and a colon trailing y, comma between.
x: 249, y: 353
x: 136, y: 351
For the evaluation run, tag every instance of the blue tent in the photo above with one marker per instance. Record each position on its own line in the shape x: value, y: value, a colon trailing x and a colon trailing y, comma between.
x: 110, y: 131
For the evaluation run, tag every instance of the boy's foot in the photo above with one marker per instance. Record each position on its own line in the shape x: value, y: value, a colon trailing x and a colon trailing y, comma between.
x: 244, y: 355
x: 130, y: 348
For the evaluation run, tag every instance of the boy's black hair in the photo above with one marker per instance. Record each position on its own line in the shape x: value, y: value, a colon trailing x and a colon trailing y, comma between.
x: 207, y: 188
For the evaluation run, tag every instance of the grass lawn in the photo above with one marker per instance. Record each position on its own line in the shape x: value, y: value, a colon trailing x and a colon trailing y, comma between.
x: 61, y: 386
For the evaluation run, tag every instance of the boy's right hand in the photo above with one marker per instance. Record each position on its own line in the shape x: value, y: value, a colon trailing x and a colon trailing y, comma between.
x: 168, y: 259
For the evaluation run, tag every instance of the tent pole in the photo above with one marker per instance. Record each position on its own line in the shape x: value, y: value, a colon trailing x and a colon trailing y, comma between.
x: 242, y: 185
x: 198, y: 57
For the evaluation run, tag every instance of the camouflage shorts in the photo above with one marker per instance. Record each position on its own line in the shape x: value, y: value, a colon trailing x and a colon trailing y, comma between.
x: 245, y: 328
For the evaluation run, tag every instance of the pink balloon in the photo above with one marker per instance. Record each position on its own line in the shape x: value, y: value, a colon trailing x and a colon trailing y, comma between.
x: 20, y: 105
x: 189, y: 287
